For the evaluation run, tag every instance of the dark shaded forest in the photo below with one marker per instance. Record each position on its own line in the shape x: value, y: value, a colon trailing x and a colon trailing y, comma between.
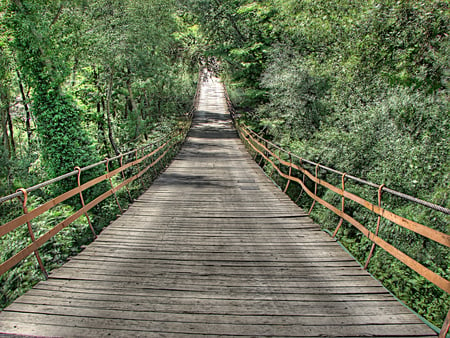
x: 359, y: 86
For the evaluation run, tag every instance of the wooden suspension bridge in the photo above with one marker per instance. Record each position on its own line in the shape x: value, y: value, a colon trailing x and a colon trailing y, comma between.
x: 213, y: 248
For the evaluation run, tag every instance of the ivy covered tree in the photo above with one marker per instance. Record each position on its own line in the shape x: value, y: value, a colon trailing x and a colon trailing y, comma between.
x: 81, y: 80
x: 102, y: 75
x: 42, y: 41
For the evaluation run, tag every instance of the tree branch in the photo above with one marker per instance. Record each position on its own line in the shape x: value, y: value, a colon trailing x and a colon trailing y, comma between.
x: 58, y: 14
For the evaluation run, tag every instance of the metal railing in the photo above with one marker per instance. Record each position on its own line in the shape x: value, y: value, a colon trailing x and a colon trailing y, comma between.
x: 260, y: 146
x: 140, y: 156
x: 135, y: 159
x: 295, y: 166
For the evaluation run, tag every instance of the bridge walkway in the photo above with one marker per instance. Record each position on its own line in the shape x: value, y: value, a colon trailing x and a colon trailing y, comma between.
x: 213, y: 248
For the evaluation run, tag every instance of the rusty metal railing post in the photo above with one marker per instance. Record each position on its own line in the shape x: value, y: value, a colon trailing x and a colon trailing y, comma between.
x: 155, y: 172
x: 112, y: 186
x: 82, y: 202
x: 256, y: 154
x: 342, y: 205
x: 303, y: 180
x: 445, y: 327
x: 290, y: 173
x: 139, y: 169
x: 380, y: 191
x: 315, y: 189
x: 30, y: 230
x: 123, y: 177
x: 274, y: 157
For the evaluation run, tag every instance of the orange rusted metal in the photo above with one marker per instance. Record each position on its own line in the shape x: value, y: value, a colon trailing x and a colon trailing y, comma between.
x: 433, y: 277
x: 28, y: 216
x: 341, y: 220
x: 123, y: 176
x: 261, y: 159
x: 30, y: 231
x: 303, y: 180
x: 290, y: 173
x: 112, y: 186
x: 82, y: 201
x: 139, y: 167
x: 155, y: 172
x: 435, y: 235
x: 380, y: 191
x: 315, y: 189
x: 445, y: 326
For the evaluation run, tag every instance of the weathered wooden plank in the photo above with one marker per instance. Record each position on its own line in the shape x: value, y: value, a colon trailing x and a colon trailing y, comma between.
x: 217, y: 306
x: 305, y: 260
x: 253, y: 286
x: 70, y: 324
x: 194, y: 316
x: 340, y: 286
x: 138, y: 290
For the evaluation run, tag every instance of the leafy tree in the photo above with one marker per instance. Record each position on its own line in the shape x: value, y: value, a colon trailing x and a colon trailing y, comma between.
x: 239, y: 33
x: 42, y: 41
x: 138, y: 66
x: 294, y: 109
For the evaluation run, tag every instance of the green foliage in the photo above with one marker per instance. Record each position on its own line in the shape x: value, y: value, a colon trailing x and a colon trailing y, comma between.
x: 65, y: 143
x: 239, y: 33
x: 101, y: 74
x: 39, y: 42
x: 294, y: 109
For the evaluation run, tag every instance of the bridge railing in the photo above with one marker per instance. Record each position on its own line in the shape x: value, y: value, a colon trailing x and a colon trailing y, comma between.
x: 293, y: 169
x: 139, y: 162
x: 264, y: 148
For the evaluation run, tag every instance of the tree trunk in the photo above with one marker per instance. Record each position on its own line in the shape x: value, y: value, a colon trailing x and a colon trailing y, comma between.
x: 101, y: 127
x: 11, y: 132
x: 101, y: 107
x: 4, y: 111
x: 233, y: 23
x: 27, y: 109
x: 108, y: 113
x: 134, y: 107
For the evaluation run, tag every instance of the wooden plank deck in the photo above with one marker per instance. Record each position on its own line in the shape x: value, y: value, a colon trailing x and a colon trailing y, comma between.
x: 213, y: 248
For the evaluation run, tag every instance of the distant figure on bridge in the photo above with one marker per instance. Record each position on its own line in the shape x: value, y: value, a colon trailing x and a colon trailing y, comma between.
x: 205, y: 75
x: 211, y: 67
